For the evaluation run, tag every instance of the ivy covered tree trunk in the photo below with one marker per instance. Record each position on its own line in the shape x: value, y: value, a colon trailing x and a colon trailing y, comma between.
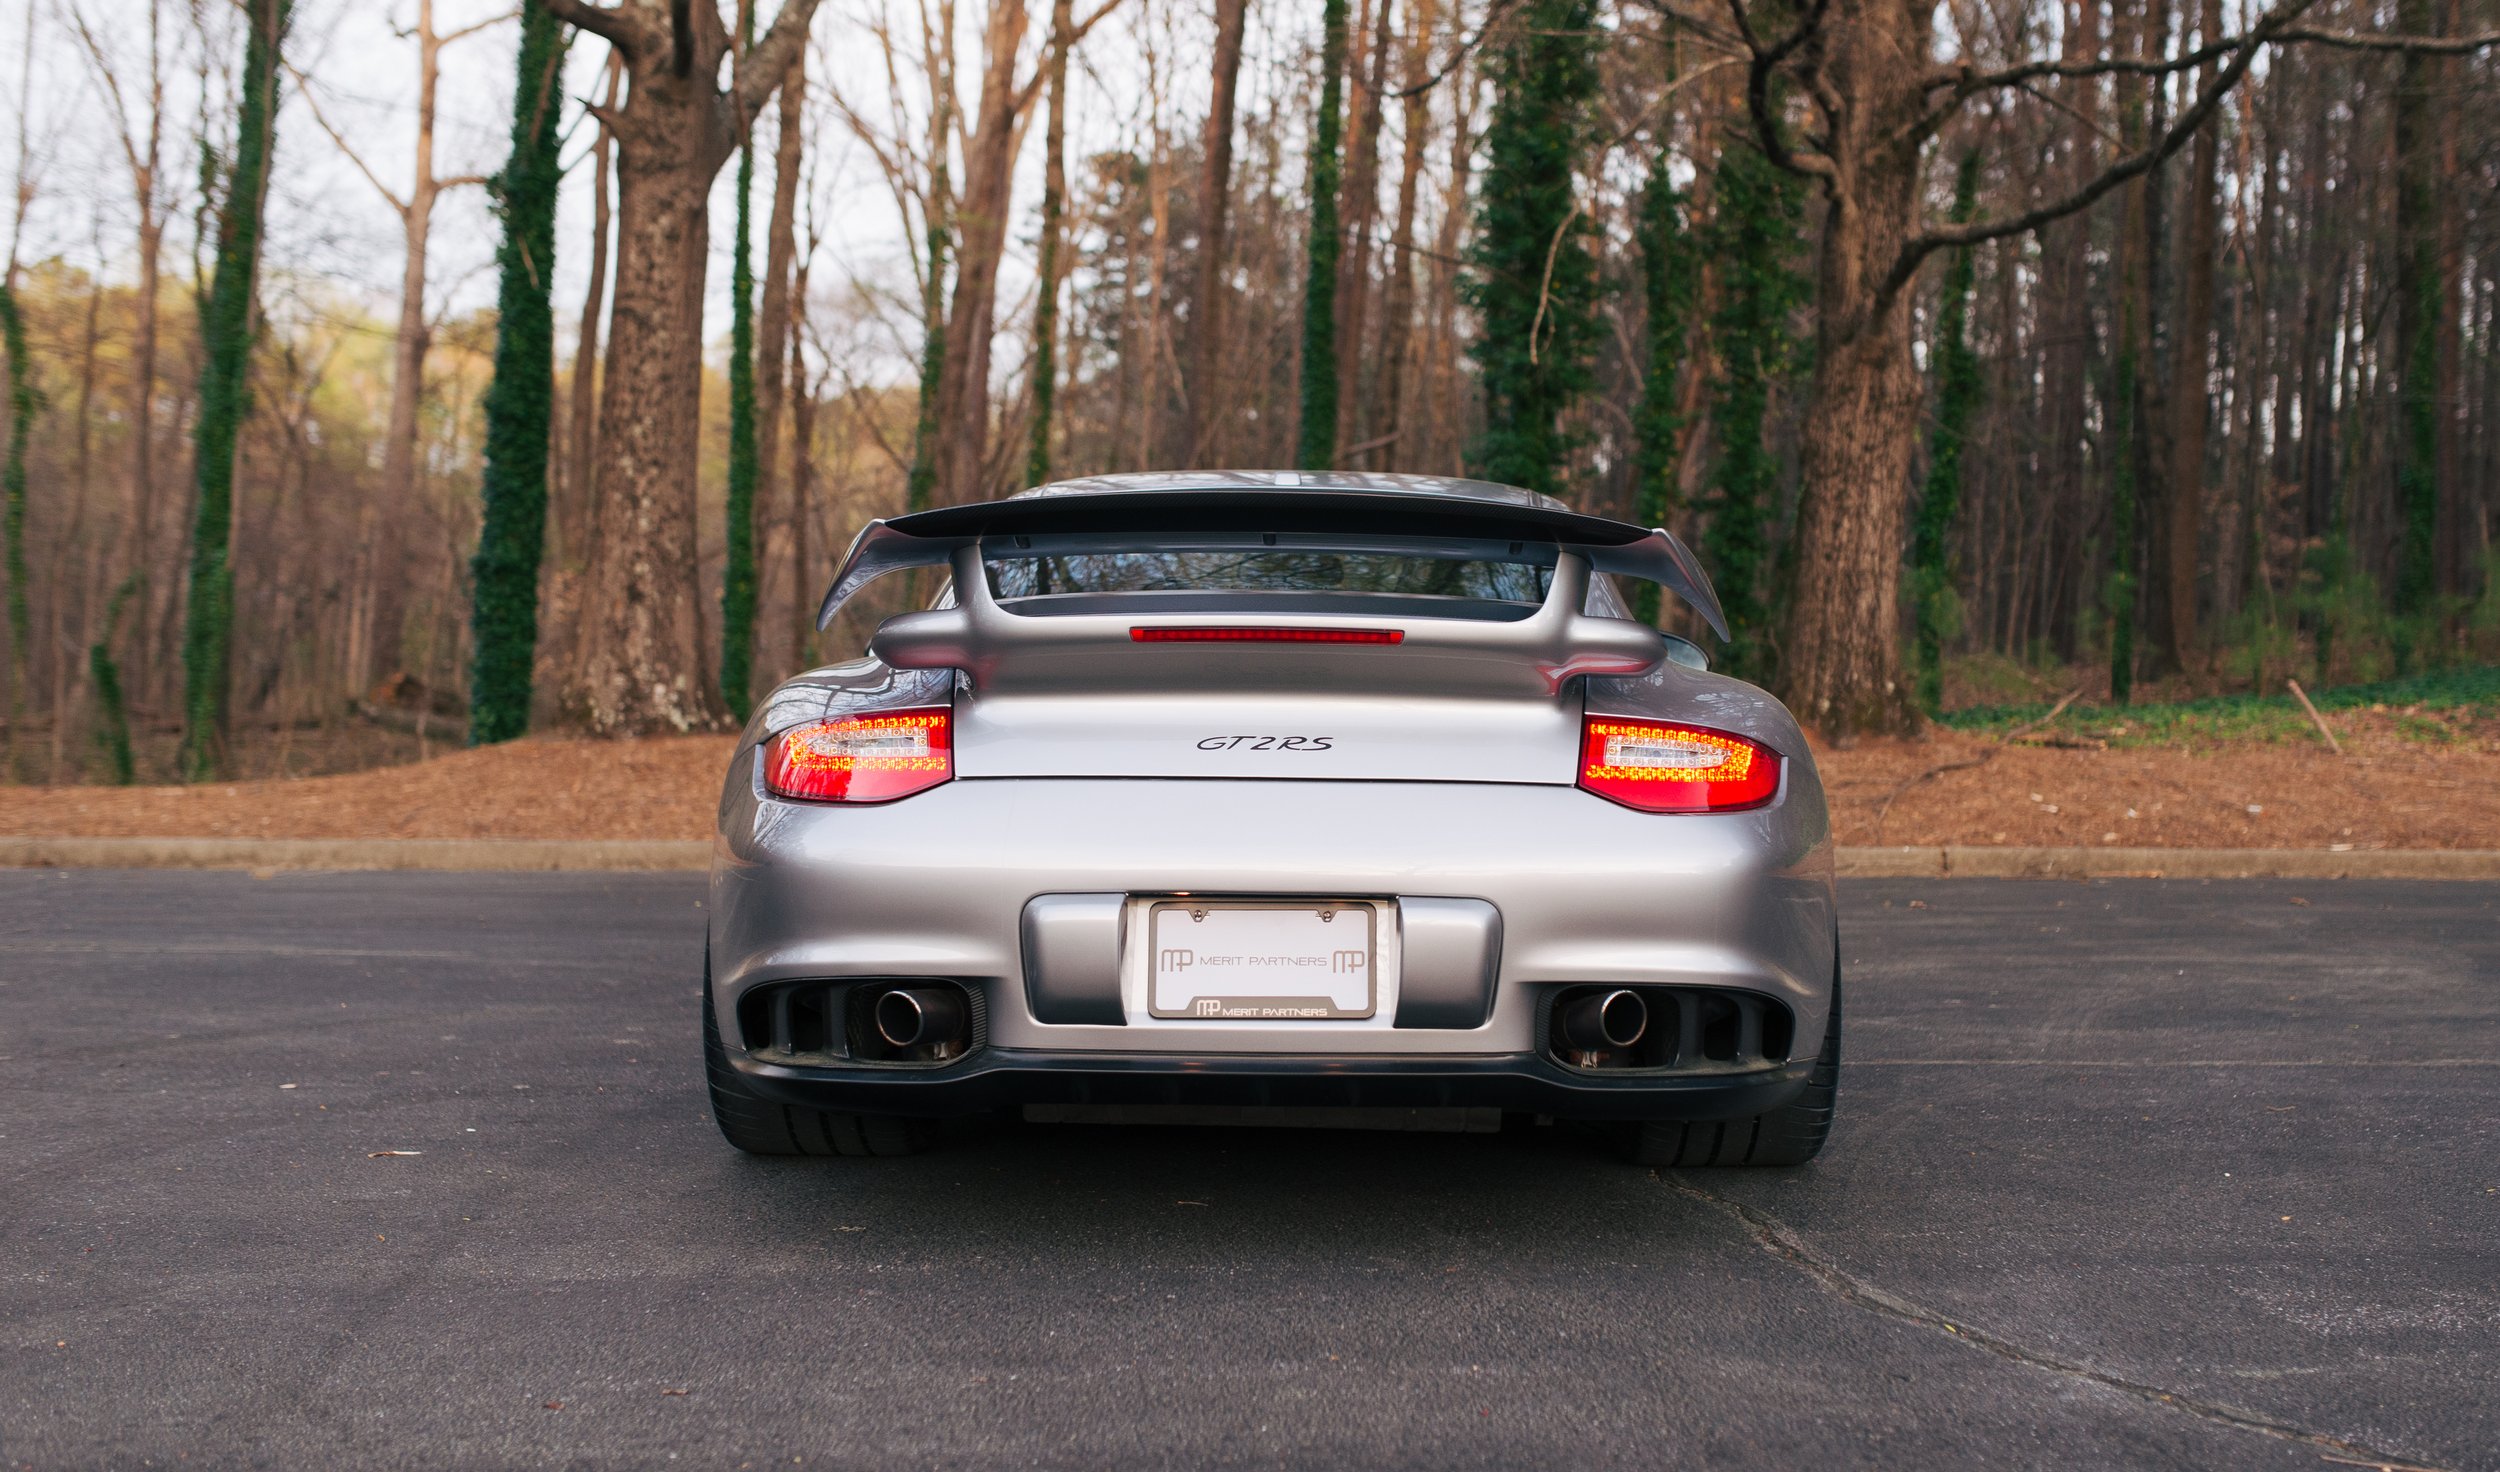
x: 1933, y: 607
x: 1054, y: 231
x: 738, y: 578
x: 520, y: 403
x: 1318, y: 444
x: 2130, y: 430
x: 22, y: 396
x: 226, y: 330
x: 2421, y: 303
x: 1757, y: 218
x: 1531, y: 280
x: 1670, y: 281
x: 104, y: 677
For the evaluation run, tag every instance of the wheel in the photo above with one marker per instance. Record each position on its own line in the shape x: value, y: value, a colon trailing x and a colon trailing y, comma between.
x: 762, y: 1126
x: 1789, y: 1135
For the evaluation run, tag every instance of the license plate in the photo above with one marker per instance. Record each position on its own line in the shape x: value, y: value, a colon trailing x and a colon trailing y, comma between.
x: 1261, y: 960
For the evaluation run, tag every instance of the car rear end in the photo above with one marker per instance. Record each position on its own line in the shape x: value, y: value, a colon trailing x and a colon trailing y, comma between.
x: 1180, y: 816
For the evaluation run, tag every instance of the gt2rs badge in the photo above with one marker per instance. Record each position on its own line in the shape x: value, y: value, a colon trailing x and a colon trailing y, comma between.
x: 1266, y: 743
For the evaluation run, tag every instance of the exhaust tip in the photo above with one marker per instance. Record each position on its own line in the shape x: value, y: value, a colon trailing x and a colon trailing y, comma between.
x: 1622, y: 1017
x: 1596, y: 1020
x: 913, y: 1017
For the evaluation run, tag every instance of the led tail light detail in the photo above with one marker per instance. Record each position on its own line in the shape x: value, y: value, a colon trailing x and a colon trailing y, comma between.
x: 1233, y: 634
x: 1663, y: 768
x: 875, y: 758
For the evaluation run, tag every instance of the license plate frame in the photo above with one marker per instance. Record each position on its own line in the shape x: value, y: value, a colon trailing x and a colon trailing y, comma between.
x: 1251, y: 952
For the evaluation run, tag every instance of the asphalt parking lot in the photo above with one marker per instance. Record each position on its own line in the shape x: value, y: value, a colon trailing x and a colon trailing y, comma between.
x: 2127, y: 1174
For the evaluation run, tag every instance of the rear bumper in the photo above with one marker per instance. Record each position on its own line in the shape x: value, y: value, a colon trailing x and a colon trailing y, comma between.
x: 936, y: 888
x: 1522, y: 1082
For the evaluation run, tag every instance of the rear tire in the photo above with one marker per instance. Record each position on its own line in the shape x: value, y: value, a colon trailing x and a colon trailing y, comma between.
x: 762, y: 1126
x: 1789, y: 1135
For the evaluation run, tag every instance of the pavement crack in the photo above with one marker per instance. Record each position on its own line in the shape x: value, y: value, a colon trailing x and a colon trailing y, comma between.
x: 1775, y: 1237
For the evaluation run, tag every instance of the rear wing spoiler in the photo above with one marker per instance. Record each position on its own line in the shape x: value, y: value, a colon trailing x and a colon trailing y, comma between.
x: 1066, y: 524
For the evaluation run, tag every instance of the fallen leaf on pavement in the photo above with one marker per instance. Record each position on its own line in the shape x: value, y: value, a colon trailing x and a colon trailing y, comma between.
x: 391, y: 1154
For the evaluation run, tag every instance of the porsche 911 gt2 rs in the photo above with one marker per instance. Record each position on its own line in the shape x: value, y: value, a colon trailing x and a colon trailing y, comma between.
x: 1345, y: 798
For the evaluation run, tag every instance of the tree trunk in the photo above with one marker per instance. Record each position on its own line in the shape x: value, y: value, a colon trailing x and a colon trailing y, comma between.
x: 773, y: 316
x: 1840, y: 660
x: 2191, y: 364
x: 1397, y: 302
x: 938, y: 222
x: 2067, y: 332
x: 1054, y: 242
x: 1318, y: 441
x: 739, y: 575
x: 1215, y: 209
x: 1362, y: 203
x: 577, y: 486
x: 2421, y: 303
x: 963, y: 419
x: 519, y: 408
x: 639, y: 658
x: 225, y: 398
x: 802, y: 482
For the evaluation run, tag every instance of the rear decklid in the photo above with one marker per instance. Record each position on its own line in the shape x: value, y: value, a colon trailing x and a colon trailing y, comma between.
x: 1136, y: 677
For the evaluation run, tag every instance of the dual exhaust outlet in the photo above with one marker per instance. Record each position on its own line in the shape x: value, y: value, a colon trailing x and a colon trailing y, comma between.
x: 931, y: 1017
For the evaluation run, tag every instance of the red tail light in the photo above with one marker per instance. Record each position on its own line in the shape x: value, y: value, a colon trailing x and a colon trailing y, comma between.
x: 874, y: 758
x: 1230, y: 634
x: 1663, y: 768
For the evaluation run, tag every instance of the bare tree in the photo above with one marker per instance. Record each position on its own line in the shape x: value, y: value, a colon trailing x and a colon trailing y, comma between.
x: 575, y: 486
x: 1215, y: 212
x: 639, y: 659
x: 962, y: 423
x: 143, y: 150
x: 415, y: 208
x: 773, y: 318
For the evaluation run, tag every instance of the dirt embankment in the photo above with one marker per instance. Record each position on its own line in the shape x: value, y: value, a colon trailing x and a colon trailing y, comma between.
x: 2387, y: 790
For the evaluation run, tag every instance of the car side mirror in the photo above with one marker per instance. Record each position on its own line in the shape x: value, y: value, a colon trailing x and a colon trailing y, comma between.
x: 1685, y: 652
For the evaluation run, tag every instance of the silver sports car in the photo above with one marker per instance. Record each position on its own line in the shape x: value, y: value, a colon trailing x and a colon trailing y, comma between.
x: 1346, y: 798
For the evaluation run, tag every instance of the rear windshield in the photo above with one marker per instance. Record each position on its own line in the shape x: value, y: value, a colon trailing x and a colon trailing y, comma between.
x: 1268, y: 570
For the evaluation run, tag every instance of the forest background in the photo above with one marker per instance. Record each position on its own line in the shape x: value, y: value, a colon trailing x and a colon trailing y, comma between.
x: 360, y: 384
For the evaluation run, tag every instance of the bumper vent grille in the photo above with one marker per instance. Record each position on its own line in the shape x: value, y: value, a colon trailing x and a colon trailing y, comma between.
x: 1689, y: 1030
x: 833, y: 1023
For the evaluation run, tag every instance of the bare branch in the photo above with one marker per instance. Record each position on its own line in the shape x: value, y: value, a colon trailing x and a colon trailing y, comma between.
x: 611, y: 26
x: 1966, y: 80
x: 1916, y: 250
x: 474, y: 27
x: 1458, y: 53
x: 303, y: 89
x: 1032, y: 88
x: 112, y: 85
x: 1766, y: 60
x: 761, y: 69
x: 2428, y: 45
